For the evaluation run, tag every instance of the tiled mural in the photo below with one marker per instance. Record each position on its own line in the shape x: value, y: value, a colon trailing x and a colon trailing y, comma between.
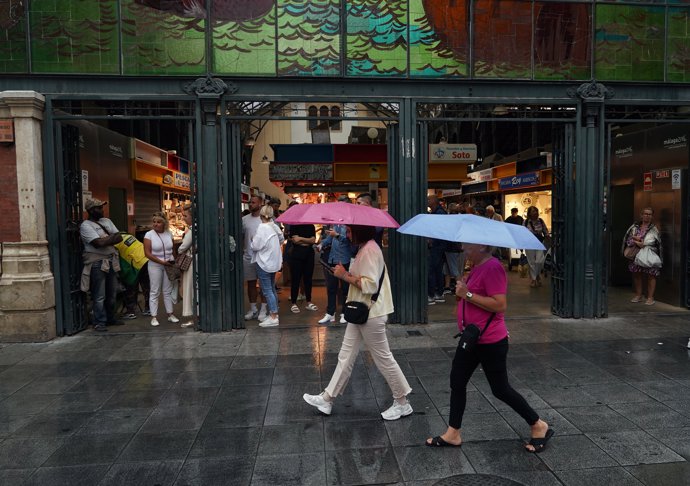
x: 512, y: 39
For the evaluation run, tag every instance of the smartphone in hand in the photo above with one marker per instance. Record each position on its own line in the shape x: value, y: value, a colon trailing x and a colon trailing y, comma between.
x: 326, y: 266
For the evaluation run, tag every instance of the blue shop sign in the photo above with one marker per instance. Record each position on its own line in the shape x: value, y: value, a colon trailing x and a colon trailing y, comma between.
x: 522, y: 180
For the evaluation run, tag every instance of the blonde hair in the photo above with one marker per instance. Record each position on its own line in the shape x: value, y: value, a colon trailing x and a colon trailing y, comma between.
x: 266, y: 212
x: 160, y: 216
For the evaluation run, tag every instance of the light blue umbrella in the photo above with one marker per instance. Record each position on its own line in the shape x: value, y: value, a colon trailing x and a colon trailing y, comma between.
x: 468, y: 228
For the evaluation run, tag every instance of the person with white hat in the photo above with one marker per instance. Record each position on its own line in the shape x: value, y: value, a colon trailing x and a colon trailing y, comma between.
x: 101, y: 263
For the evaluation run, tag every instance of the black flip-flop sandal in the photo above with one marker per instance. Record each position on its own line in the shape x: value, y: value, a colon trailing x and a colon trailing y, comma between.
x: 439, y: 442
x: 539, y: 444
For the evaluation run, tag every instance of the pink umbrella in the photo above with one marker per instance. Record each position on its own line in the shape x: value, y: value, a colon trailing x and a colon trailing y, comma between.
x: 337, y: 213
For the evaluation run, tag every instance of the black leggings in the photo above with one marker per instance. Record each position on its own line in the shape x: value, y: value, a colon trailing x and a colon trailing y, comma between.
x: 301, y: 270
x: 493, y: 360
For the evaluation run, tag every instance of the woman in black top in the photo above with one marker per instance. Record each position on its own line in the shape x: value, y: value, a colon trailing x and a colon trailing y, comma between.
x: 301, y: 261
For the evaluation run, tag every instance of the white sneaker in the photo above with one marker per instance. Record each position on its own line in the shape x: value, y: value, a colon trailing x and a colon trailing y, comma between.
x: 430, y: 301
x: 396, y: 411
x: 327, y: 318
x: 262, y: 316
x: 318, y: 401
x: 187, y: 324
x: 270, y: 322
x: 154, y: 322
x: 173, y: 319
x: 439, y: 298
x: 252, y: 314
x: 342, y: 319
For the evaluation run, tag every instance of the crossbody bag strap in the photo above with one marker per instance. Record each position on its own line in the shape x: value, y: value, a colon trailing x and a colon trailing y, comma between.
x: 376, y: 295
x: 162, y: 243
x: 491, y: 318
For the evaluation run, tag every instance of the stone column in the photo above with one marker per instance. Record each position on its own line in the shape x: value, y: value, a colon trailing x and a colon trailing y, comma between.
x: 27, y: 294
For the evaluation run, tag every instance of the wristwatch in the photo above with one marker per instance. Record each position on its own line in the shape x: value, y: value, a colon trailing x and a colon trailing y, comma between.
x: 468, y: 295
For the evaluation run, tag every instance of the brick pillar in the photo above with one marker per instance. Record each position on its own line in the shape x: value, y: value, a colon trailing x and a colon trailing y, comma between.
x: 27, y: 294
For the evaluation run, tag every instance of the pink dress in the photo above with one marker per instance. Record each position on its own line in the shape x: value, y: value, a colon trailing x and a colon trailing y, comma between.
x: 634, y: 268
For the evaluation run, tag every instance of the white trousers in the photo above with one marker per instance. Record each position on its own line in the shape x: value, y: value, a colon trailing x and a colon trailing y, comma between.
x: 159, y: 279
x: 187, y: 288
x: 535, y: 259
x: 373, y: 334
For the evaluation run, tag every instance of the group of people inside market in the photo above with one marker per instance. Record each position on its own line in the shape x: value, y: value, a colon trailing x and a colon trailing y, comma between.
x: 151, y: 265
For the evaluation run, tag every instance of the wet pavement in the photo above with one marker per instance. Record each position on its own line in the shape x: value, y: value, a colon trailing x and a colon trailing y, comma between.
x: 163, y: 408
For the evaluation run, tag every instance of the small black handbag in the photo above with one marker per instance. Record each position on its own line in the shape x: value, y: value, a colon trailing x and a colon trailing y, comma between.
x: 358, y: 312
x: 469, y: 337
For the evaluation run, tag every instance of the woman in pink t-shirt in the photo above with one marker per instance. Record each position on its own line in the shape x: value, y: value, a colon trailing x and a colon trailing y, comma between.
x: 482, y: 299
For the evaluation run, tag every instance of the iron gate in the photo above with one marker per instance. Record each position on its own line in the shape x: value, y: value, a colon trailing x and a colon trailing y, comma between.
x: 69, y: 212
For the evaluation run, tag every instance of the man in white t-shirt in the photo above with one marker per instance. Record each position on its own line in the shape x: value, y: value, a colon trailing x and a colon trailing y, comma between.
x: 250, y: 223
x: 101, y: 263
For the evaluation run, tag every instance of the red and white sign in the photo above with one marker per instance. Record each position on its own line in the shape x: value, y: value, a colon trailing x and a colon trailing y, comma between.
x: 662, y: 174
x: 647, y: 180
x: 445, y: 152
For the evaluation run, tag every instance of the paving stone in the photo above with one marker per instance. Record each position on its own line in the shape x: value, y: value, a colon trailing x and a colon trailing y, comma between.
x: 295, y: 469
x: 673, y: 474
x: 676, y: 438
x: 362, y: 466
x: 483, y: 457
x: 631, y: 448
x: 422, y: 462
x: 216, y: 472
x: 208, y: 364
x: 574, y: 452
x: 291, y: 360
x: 414, y: 430
x: 651, y: 414
x: 161, y: 473
x: 263, y: 361
x: 150, y: 381
x: 245, y: 416
x: 26, y: 404
x: 175, y: 418
x: 89, y: 449
x: 134, y: 399
x: 15, y: 477
x: 601, y: 476
x: 248, y: 376
x: 358, y: 434
x: 80, y: 402
x: 57, y: 424
x: 296, y: 374
x: 616, y: 393
x: 599, y: 418
x: 27, y: 452
x: 68, y: 475
x: 51, y: 385
x: 9, y: 424
x: 564, y: 396
x: 189, y: 397
x: 663, y: 391
x: 228, y: 442
x: 162, y: 446
x: 100, y: 383
x: 115, y: 422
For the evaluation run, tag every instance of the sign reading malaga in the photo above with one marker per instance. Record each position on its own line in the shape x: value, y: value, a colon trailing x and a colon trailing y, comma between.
x: 447, y: 152
x: 522, y: 180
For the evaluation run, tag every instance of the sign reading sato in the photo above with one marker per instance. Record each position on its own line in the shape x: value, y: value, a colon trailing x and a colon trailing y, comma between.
x: 301, y: 172
x: 444, y: 152
x: 522, y: 180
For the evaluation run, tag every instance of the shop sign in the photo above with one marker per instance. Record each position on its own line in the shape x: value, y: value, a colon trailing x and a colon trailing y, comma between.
x: 444, y: 152
x: 647, y: 179
x: 181, y: 180
x: 6, y: 131
x: 522, y: 180
x: 481, y: 175
x: 301, y: 172
x: 675, y: 179
x: 451, y: 192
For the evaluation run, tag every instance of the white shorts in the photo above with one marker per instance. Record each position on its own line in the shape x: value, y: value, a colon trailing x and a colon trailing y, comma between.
x: 249, y: 268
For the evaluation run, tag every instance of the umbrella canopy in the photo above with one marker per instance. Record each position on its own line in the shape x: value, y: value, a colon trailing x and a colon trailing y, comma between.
x: 337, y: 213
x: 468, y: 228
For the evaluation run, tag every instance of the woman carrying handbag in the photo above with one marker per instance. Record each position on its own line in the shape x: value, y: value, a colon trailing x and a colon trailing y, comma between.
x: 187, y: 288
x: 642, y: 246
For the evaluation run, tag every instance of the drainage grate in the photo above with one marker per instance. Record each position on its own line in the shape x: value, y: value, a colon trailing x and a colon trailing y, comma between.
x: 414, y: 333
x: 476, y: 480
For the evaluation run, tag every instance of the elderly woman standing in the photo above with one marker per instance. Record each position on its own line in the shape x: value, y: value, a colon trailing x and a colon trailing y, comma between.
x: 535, y: 258
x: 158, y: 247
x: 187, y: 246
x: 642, y: 234
x: 482, y: 302
x: 266, y: 253
x: 366, y: 277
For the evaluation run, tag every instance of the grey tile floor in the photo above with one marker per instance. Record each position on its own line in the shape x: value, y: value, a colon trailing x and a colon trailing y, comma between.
x: 226, y: 409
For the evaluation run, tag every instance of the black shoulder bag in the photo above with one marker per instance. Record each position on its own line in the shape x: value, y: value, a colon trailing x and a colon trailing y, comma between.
x: 358, y: 312
x: 469, y: 337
